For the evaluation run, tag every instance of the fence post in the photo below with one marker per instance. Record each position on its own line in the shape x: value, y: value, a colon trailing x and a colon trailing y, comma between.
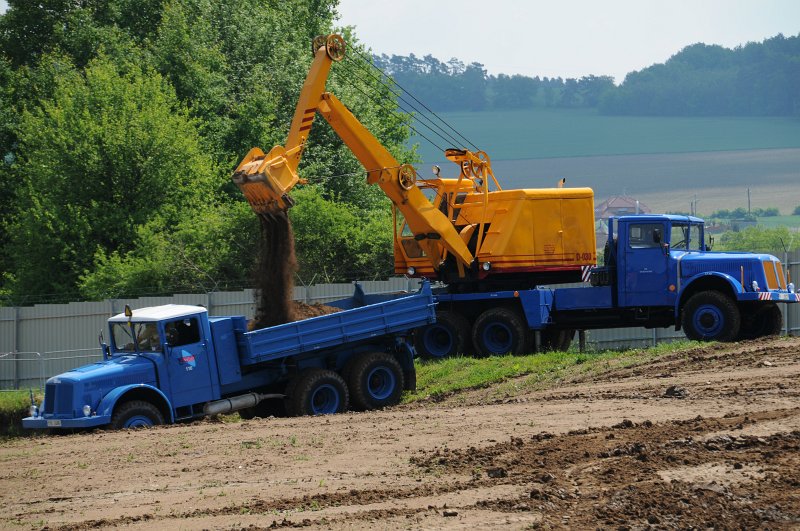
x: 16, y: 347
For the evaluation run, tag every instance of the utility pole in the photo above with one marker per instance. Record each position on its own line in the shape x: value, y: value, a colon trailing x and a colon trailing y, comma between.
x: 748, y: 201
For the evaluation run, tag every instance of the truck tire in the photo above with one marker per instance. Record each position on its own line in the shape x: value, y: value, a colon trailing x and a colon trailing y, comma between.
x: 317, y: 392
x: 135, y: 414
x: 500, y: 331
x: 761, y: 320
x: 375, y: 380
x: 447, y: 337
x: 711, y: 316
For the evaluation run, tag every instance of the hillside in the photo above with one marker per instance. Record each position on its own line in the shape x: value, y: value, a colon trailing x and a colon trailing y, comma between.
x: 662, y: 161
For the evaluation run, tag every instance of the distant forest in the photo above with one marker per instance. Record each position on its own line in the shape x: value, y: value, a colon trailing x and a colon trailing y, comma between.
x: 757, y: 79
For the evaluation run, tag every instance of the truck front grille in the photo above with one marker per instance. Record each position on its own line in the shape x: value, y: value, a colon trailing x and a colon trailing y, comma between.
x: 58, y: 398
x: 771, y: 274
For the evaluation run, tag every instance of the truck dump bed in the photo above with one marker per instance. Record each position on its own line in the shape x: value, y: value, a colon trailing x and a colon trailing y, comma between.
x: 359, y: 321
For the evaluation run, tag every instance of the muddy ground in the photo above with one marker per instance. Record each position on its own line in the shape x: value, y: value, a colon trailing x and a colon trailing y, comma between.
x: 708, y: 439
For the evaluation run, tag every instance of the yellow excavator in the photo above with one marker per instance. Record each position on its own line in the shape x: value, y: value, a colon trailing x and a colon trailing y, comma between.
x: 467, y: 232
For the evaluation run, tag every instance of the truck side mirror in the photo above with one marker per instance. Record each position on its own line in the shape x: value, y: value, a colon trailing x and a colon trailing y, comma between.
x: 103, y: 347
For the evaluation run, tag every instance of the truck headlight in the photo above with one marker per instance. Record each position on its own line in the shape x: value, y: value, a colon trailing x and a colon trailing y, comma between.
x: 34, y: 410
x: 754, y: 285
x: 486, y: 266
x: 411, y: 271
x: 791, y: 287
x: 87, y: 410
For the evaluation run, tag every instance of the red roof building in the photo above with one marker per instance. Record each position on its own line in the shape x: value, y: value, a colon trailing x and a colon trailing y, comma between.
x: 619, y: 206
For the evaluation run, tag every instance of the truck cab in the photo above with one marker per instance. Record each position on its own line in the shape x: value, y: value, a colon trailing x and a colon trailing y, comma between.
x: 663, y: 272
x: 160, y: 359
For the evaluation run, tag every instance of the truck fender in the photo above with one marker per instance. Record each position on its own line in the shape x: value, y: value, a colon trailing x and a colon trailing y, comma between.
x: 109, y: 401
x: 705, y: 281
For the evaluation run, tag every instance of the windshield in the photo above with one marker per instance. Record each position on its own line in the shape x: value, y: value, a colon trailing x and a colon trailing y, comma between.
x: 144, y: 337
x: 685, y: 237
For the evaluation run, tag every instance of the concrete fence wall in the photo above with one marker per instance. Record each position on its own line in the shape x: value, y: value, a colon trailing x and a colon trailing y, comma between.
x: 37, y: 342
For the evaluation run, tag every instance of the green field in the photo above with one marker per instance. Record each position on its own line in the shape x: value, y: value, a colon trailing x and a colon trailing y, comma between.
x: 780, y: 221
x: 666, y: 163
x: 544, y: 133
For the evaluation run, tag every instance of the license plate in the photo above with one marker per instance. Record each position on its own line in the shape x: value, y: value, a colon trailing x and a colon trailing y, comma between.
x: 783, y: 296
x: 53, y: 423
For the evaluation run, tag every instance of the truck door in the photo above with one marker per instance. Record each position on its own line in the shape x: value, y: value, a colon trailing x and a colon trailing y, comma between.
x: 646, y: 266
x: 187, y: 361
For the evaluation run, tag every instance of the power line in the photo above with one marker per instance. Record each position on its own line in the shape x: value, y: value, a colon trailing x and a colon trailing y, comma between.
x: 394, y: 81
x: 436, y: 129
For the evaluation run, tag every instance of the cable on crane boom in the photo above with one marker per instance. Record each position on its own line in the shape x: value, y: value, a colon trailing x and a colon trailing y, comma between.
x: 420, y: 114
x: 385, y: 108
x: 394, y: 81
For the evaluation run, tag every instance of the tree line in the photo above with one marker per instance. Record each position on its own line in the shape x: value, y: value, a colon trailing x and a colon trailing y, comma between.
x: 757, y: 79
x: 121, y: 123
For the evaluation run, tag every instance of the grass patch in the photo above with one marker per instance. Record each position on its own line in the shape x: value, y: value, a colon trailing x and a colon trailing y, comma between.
x: 14, y: 407
x: 440, y: 378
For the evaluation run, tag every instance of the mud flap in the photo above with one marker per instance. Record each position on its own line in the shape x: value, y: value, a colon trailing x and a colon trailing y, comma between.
x: 405, y: 355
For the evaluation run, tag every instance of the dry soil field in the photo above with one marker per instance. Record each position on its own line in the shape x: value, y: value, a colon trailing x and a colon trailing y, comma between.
x: 705, y: 439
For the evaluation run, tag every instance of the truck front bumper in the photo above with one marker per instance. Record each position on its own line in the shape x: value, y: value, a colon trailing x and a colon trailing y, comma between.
x: 38, y: 423
x: 776, y: 296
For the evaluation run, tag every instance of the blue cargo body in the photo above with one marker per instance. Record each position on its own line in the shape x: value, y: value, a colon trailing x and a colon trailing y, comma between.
x: 171, y: 363
x: 350, y: 326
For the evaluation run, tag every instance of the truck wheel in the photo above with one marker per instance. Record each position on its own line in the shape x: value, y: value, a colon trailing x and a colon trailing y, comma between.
x: 500, y: 331
x: 317, y: 392
x: 711, y: 316
x: 136, y: 414
x: 375, y: 380
x: 761, y: 321
x: 447, y: 337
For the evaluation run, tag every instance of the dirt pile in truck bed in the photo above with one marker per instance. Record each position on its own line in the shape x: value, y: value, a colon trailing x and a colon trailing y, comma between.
x: 306, y: 311
x: 275, y: 271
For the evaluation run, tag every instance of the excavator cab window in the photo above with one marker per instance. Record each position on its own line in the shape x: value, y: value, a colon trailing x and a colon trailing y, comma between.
x: 460, y: 198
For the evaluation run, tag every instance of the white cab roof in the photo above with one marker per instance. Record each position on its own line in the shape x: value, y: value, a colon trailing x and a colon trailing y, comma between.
x: 157, y: 313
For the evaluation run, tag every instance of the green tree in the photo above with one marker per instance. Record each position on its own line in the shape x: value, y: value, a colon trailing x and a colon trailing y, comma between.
x: 125, y: 120
x: 111, y: 151
x: 189, y: 257
x: 335, y: 242
x: 757, y: 239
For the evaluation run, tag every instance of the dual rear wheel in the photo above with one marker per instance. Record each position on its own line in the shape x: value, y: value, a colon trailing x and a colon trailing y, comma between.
x: 496, y: 331
x: 371, y: 380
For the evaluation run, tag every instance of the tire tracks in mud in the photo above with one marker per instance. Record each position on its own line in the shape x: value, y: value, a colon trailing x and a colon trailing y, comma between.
x: 676, y: 474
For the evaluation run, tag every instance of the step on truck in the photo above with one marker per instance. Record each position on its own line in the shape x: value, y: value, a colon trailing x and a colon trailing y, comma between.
x: 172, y: 363
x: 657, y: 272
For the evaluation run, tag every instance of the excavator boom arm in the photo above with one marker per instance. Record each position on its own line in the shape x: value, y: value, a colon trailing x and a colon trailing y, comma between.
x: 266, y: 179
x: 432, y: 228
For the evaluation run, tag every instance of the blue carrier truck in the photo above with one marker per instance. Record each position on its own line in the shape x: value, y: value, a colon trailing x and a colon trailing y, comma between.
x: 657, y: 271
x: 170, y: 363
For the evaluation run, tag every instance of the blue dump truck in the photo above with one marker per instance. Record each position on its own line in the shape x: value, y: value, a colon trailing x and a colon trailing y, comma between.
x: 658, y: 271
x: 171, y: 363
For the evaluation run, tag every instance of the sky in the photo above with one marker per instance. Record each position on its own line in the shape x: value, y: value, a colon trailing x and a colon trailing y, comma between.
x: 562, y: 38
x: 566, y: 38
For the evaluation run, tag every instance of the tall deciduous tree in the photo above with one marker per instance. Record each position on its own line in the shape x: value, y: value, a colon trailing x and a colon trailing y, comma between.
x: 111, y: 151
